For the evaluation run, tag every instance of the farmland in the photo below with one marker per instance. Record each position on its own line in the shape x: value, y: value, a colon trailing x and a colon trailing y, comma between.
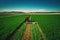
x: 49, y: 24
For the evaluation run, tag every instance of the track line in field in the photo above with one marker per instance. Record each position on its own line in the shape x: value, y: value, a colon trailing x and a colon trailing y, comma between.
x: 41, y: 32
x: 13, y: 33
x: 27, y: 33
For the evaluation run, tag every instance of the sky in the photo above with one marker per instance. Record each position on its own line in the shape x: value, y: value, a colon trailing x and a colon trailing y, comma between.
x: 30, y: 5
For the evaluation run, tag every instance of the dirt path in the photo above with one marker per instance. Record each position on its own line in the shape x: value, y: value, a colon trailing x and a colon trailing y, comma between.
x: 41, y: 33
x: 27, y: 33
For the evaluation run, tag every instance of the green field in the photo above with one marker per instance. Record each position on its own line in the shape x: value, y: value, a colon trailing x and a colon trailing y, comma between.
x: 50, y: 25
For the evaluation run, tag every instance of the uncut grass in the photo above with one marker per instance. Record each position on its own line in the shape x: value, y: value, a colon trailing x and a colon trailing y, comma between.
x: 50, y: 25
x: 18, y: 35
x: 9, y: 24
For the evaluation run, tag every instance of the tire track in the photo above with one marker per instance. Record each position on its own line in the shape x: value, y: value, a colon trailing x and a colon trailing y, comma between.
x: 41, y: 32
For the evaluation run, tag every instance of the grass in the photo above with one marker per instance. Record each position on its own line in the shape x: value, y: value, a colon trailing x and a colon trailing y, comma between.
x: 18, y: 35
x: 50, y: 25
x: 35, y: 34
x: 9, y: 24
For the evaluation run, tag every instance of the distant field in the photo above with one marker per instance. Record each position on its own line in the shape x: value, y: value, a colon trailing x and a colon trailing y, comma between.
x: 50, y: 25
